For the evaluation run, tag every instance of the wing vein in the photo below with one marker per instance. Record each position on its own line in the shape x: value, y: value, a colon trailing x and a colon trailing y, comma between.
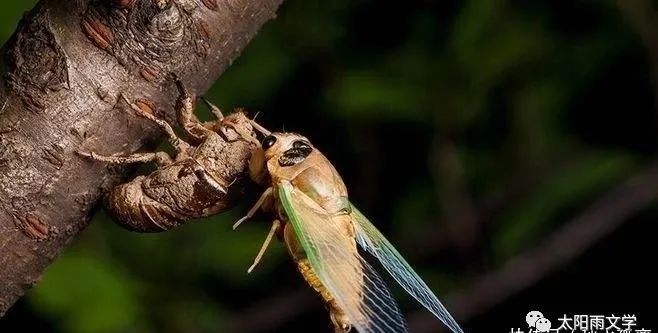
x: 333, y: 255
x: 372, y: 241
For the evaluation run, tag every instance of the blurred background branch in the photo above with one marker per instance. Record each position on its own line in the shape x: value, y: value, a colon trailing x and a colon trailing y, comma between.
x: 561, y: 247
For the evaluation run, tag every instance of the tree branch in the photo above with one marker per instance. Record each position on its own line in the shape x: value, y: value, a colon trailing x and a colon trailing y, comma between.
x: 63, y: 71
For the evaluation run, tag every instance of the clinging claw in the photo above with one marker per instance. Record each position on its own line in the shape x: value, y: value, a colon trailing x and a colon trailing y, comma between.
x: 213, y: 108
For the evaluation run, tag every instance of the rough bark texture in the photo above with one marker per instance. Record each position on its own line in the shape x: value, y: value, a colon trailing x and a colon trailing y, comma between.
x: 63, y: 71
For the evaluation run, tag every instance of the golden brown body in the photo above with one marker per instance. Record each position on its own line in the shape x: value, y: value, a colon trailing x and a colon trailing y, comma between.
x: 287, y: 157
x: 322, y: 229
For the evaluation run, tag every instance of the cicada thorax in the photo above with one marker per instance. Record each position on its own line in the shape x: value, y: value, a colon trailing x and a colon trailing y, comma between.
x: 317, y: 178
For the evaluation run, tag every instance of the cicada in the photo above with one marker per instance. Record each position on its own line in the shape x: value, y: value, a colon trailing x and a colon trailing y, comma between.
x: 326, y: 234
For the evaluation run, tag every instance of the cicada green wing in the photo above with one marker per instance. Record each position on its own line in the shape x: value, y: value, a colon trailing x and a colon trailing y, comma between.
x: 333, y: 255
x: 372, y: 240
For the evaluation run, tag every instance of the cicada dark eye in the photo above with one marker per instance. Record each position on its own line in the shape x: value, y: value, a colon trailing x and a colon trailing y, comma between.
x: 269, y: 141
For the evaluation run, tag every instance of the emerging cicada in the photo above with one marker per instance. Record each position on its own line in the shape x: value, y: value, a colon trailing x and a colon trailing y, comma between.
x: 323, y: 231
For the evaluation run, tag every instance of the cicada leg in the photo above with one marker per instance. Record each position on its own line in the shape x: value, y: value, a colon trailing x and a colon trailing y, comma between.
x: 276, y: 226
x: 214, y: 109
x: 223, y: 124
x: 178, y: 143
x: 160, y: 158
x: 261, y: 201
x: 185, y: 113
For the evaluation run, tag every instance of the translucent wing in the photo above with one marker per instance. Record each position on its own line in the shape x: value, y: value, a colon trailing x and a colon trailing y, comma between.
x: 332, y: 253
x: 371, y: 240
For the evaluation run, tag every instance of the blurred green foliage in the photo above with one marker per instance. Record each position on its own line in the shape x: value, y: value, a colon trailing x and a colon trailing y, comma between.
x: 507, y: 86
x: 10, y: 14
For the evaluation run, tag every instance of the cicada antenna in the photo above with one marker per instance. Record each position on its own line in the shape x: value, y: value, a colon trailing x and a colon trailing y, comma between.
x: 256, y: 116
x: 259, y: 127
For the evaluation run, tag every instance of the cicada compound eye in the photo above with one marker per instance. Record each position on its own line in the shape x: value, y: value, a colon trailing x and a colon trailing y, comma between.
x: 269, y: 141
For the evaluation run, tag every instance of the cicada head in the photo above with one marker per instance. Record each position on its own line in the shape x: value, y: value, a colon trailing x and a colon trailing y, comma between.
x: 279, y: 151
x: 287, y: 149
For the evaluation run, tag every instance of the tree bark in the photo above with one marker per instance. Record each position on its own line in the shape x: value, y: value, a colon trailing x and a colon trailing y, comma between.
x: 63, y: 71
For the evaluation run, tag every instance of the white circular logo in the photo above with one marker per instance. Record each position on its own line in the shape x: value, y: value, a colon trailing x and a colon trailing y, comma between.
x: 532, y: 317
x: 543, y: 325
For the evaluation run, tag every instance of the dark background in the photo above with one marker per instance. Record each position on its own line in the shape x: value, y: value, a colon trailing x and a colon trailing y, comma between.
x: 506, y: 147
